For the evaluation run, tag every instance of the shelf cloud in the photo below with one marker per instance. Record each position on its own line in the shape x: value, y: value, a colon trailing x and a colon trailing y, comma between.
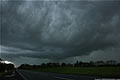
x: 58, y: 29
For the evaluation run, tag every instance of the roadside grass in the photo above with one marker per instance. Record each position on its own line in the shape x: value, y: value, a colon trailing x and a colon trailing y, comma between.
x: 86, y: 71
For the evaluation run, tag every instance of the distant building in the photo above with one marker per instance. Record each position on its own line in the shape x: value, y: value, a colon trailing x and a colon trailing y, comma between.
x: 98, y: 63
x: 85, y: 64
x: 111, y: 62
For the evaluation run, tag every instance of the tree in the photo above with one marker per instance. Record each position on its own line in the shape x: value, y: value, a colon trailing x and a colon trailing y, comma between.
x: 63, y: 64
x: 4, y: 67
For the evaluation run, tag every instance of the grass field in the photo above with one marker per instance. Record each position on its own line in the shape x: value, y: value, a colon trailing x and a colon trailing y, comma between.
x: 87, y: 71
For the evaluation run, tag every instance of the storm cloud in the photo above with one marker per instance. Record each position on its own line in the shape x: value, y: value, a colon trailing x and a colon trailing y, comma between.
x: 58, y: 29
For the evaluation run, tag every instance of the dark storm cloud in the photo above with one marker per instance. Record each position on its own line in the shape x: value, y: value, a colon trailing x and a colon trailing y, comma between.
x: 58, y: 29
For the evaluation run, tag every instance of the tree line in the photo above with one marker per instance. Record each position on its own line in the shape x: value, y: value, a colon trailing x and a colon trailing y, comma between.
x: 5, y: 67
x: 76, y: 64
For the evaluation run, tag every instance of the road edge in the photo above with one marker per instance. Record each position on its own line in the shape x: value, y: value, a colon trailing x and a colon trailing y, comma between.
x: 21, y: 75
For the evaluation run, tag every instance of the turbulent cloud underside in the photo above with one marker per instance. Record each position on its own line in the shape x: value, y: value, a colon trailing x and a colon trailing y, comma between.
x: 58, y: 29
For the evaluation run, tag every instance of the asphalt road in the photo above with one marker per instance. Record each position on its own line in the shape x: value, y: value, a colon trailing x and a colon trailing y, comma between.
x: 31, y: 75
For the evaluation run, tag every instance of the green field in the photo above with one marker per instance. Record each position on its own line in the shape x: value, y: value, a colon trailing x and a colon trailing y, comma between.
x: 87, y: 71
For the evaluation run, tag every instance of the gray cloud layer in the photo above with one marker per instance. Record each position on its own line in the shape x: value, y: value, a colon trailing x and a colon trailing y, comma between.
x: 58, y: 29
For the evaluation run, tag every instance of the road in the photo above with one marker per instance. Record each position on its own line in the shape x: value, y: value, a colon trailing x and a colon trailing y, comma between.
x: 32, y: 75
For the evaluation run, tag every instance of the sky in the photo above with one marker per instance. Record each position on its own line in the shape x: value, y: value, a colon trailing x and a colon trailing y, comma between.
x: 59, y: 31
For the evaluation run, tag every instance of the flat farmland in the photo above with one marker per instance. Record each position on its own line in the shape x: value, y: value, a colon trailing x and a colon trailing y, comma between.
x: 85, y: 71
